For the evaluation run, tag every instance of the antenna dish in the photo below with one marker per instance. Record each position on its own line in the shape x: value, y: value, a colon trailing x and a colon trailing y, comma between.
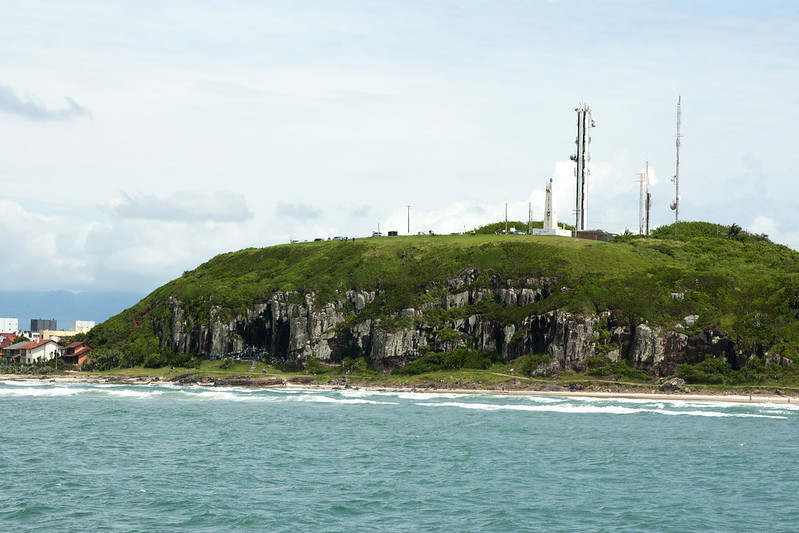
x: 673, y: 205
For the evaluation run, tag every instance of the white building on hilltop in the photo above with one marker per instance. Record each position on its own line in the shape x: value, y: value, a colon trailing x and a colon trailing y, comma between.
x: 9, y: 325
x: 81, y: 326
x: 551, y: 216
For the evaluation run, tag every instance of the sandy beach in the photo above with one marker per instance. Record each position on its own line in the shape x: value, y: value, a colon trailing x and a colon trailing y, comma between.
x: 305, y: 383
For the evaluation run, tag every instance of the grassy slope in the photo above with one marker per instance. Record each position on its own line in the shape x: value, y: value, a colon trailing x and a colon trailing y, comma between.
x: 751, y: 288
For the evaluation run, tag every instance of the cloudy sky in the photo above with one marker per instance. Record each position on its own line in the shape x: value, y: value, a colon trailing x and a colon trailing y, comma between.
x: 139, y: 139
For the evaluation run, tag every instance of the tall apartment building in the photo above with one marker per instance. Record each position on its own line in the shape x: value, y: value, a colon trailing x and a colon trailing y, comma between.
x: 9, y: 325
x: 38, y: 324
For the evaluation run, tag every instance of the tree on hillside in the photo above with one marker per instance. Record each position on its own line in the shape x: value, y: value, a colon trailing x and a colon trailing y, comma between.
x: 733, y: 232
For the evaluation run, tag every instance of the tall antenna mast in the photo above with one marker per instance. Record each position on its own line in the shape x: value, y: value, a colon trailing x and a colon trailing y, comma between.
x: 582, y: 158
x: 644, y: 201
x: 675, y: 204
x: 648, y: 199
x: 640, y: 203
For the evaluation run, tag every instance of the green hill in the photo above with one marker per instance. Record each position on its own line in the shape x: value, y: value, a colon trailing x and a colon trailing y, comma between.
x: 744, y: 289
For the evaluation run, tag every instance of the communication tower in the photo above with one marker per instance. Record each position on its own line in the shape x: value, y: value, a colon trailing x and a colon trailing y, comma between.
x: 675, y: 204
x: 582, y: 158
x: 644, y: 202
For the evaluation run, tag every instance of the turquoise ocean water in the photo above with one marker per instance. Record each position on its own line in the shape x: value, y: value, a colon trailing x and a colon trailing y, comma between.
x: 167, y: 458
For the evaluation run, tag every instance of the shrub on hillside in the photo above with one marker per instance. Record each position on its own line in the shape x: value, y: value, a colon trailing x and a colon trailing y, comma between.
x: 531, y: 363
x: 619, y: 370
x: 712, y: 371
x: 456, y: 359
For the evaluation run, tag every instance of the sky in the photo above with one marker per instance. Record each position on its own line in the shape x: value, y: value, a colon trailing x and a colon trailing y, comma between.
x: 140, y: 139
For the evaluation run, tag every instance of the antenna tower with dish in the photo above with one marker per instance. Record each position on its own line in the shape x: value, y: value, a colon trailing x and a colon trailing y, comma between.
x: 582, y: 158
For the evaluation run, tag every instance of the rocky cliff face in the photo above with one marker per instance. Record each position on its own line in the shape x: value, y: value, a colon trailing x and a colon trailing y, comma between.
x: 290, y: 328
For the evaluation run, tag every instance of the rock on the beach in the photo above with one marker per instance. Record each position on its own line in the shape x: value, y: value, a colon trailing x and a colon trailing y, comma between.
x: 672, y: 384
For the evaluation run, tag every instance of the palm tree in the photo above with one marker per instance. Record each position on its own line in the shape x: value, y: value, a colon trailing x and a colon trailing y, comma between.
x: 733, y: 232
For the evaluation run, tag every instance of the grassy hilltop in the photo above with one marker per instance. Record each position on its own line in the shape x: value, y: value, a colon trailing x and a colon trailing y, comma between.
x: 739, y: 282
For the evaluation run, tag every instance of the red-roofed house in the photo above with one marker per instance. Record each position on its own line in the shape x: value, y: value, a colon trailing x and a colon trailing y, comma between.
x: 29, y: 352
x: 76, y: 353
x: 7, y: 339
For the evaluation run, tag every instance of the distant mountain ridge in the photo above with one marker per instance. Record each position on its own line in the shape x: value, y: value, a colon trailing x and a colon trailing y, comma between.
x: 64, y: 306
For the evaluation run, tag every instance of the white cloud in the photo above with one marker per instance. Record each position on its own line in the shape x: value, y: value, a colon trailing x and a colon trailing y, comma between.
x: 771, y: 228
x: 298, y: 212
x: 184, y: 206
x: 33, y: 108
x: 39, y: 252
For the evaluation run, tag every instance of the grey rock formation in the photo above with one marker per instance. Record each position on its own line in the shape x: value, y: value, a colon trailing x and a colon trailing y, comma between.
x: 672, y: 384
x: 290, y: 328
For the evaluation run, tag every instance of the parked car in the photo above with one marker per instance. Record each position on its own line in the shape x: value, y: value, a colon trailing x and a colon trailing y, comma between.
x: 376, y: 234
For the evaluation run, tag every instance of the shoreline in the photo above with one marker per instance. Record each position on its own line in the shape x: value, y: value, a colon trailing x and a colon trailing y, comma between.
x: 304, y: 383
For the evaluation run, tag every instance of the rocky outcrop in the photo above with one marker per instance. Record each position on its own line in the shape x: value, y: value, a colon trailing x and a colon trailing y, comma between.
x: 291, y: 328
x: 672, y: 385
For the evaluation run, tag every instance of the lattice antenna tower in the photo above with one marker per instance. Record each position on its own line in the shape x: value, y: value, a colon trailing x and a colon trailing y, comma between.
x: 648, y: 199
x: 675, y: 204
x: 644, y: 201
x: 582, y: 158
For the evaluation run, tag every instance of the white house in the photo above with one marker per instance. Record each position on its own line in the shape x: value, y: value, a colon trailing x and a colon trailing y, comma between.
x: 30, y: 352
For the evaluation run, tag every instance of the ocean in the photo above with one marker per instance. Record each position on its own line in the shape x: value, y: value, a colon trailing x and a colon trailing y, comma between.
x: 78, y: 457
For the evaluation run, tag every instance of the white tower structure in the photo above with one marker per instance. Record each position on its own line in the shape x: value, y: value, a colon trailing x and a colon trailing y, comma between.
x: 582, y: 158
x: 551, y: 215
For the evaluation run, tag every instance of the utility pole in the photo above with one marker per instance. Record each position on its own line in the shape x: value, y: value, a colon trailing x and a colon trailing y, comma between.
x: 409, y: 220
x: 530, y: 218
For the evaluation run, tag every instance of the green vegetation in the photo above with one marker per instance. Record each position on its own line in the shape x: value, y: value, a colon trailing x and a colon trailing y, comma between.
x: 715, y: 370
x: 456, y: 359
x: 529, y: 364
x: 601, y: 365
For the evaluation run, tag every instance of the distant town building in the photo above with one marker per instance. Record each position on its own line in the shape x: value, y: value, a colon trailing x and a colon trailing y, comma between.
x: 9, y: 325
x: 81, y: 326
x: 55, y: 335
x: 38, y: 324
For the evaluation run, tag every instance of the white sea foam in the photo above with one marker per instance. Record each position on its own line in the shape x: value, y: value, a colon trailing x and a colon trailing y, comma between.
x: 561, y: 408
x: 590, y: 407
x: 319, y: 398
x: 41, y: 391
x: 429, y: 395
x: 717, y: 414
